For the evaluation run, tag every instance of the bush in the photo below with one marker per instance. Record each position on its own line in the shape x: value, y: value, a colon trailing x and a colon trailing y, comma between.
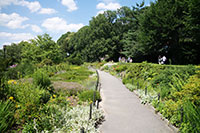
x: 120, y: 68
x: 28, y: 101
x: 45, y: 62
x: 26, y: 69
x: 41, y: 78
x: 88, y: 95
x: 5, y: 90
x: 191, y: 120
x: 75, y: 61
x: 21, y: 70
x: 74, y: 74
x: 56, y: 119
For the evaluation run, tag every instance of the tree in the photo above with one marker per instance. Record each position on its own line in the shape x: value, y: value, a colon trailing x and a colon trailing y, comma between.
x: 159, y: 31
x: 191, y: 33
x: 131, y: 47
x: 63, y: 42
x: 40, y: 49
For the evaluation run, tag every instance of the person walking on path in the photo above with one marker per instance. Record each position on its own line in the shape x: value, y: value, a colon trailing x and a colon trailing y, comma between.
x: 164, y: 59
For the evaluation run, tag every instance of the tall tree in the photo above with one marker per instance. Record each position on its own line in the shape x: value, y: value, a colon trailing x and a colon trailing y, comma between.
x: 63, y: 42
x: 191, y: 33
x: 40, y: 49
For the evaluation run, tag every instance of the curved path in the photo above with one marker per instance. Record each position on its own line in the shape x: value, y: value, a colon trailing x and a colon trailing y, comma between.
x: 123, y: 111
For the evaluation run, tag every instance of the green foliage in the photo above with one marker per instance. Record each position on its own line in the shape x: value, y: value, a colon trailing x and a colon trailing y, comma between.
x: 172, y: 111
x: 6, y: 115
x: 191, y: 118
x: 6, y: 91
x: 46, y: 119
x: 120, y: 68
x: 102, y: 38
x: 73, y: 74
x: 25, y: 69
x: 40, y: 78
x: 177, y: 86
x: 13, y: 53
x: 191, y: 90
x: 63, y: 42
x: 75, y: 61
x: 21, y: 70
x: 40, y: 49
x: 35, y: 106
x: 97, y: 64
x: 69, y: 92
x: 87, y: 95
x: 29, y: 99
x: 131, y: 87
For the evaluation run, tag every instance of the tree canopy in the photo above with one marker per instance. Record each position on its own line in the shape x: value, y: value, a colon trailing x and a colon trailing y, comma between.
x: 166, y: 27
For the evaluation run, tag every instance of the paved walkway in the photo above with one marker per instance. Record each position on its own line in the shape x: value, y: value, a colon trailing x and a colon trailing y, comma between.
x: 123, y: 111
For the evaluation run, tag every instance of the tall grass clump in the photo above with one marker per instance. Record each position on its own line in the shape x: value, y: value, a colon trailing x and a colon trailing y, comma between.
x: 191, y: 118
x: 41, y: 78
x: 88, y: 95
x: 7, y: 111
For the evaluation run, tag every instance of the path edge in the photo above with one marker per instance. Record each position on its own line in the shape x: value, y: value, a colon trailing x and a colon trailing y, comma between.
x: 158, y: 114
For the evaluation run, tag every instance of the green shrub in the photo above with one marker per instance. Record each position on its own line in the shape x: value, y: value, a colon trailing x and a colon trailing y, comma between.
x: 68, y: 91
x: 172, y: 111
x: 131, y: 87
x: 191, y: 120
x: 21, y: 70
x: 120, y: 68
x: 6, y: 91
x: 106, y: 68
x: 44, y: 97
x: 74, y: 74
x: 191, y: 90
x: 6, y: 115
x: 41, y: 79
x: 12, y: 73
x: 29, y: 127
x: 45, y: 62
x: 29, y: 99
x: 50, y: 118
x: 88, y: 95
x: 75, y: 60
x: 26, y: 69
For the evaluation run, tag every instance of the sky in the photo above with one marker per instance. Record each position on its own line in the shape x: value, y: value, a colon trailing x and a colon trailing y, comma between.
x: 25, y: 19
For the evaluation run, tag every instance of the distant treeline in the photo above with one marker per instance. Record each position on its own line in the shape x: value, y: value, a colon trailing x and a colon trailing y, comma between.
x: 166, y: 27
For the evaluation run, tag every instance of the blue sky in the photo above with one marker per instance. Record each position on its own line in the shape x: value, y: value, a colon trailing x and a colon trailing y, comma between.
x: 25, y: 19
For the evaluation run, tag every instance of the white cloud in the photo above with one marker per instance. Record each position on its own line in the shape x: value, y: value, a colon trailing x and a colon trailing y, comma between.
x: 15, y: 21
x: 36, y: 28
x: 109, y: 6
x: 57, y: 24
x: 100, y: 12
x: 5, y: 43
x: 70, y: 4
x: 6, y: 2
x: 32, y: 6
x: 74, y: 27
x: 12, y: 21
x: 107, y: 1
x: 54, y: 24
x: 47, y: 11
x: 15, y: 36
